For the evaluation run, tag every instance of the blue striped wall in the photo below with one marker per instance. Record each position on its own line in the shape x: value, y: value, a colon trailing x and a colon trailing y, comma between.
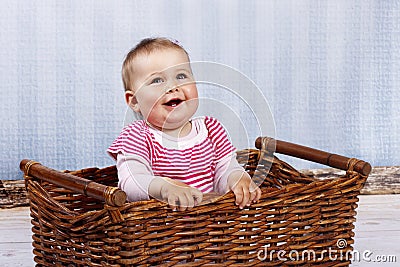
x: 329, y: 69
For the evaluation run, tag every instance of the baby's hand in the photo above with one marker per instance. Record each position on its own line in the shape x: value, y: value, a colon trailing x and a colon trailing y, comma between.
x: 178, y: 195
x: 245, y: 190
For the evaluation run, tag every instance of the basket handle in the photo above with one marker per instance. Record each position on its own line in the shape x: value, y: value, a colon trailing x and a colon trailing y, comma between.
x: 311, y: 154
x: 112, y: 196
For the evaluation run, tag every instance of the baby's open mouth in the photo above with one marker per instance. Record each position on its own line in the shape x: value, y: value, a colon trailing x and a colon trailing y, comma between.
x: 173, y: 102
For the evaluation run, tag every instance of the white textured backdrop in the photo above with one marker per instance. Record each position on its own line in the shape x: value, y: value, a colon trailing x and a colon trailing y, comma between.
x: 330, y: 71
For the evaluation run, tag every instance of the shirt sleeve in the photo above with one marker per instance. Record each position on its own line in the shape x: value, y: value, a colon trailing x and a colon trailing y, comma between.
x: 134, y: 176
x: 223, y: 169
x: 133, y: 140
x: 219, y: 137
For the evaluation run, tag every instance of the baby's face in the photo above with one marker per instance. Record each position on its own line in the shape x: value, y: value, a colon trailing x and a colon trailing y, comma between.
x: 165, y: 92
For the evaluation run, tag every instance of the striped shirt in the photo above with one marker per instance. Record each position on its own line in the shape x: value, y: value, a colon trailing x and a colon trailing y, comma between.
x: 191, y: 159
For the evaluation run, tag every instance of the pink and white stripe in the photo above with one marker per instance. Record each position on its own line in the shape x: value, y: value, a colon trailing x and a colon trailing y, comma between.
x: 194, y: 165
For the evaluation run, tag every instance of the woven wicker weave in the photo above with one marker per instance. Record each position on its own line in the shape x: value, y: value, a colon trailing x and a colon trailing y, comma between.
x: 300, y: 215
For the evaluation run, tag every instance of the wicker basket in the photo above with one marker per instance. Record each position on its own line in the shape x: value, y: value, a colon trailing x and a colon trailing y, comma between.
x: 80, y: 218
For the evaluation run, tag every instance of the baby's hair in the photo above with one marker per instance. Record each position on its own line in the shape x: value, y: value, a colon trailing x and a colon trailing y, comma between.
x: 146, y: 46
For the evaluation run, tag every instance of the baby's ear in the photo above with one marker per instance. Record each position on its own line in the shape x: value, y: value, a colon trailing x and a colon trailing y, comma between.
x: 131, y: 101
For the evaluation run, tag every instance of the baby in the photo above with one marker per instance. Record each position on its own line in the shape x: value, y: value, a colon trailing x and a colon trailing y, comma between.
x: 168, y: 155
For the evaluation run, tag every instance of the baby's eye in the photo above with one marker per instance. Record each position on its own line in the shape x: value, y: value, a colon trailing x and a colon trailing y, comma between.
x: 156, y: 80
x: 181, y: 76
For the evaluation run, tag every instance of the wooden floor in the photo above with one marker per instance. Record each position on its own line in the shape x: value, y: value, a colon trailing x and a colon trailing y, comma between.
x: 377, y: 233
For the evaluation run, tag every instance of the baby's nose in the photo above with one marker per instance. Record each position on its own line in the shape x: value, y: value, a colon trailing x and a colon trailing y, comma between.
x: 172, y: 88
